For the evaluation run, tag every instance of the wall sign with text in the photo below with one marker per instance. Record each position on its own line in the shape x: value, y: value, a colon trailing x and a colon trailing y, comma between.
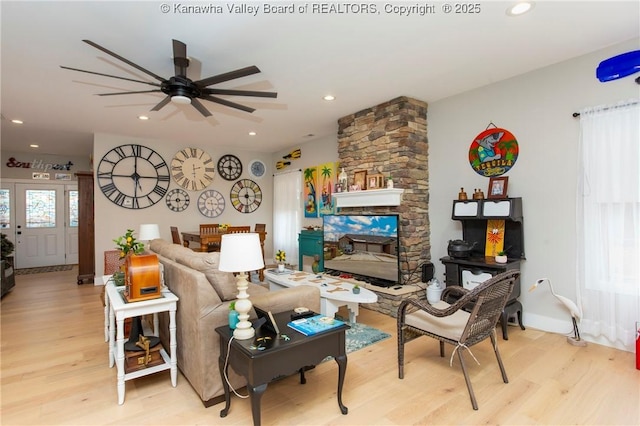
x: 493, y: 152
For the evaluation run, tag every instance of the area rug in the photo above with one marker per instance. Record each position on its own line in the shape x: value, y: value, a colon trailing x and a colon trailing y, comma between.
x: 40, y: 270
x: 360, y: 336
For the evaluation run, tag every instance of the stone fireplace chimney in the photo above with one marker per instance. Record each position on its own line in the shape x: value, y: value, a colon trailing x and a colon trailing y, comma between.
x: 391, y: 139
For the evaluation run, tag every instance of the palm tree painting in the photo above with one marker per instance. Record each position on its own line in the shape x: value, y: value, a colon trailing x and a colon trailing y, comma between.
x: 309, y: 190
x: 326, y: 201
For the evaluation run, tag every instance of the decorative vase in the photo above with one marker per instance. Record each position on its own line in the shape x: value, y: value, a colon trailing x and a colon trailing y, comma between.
x: 233, y: 319
x: 315, y: 266
x: 390, y: 183
x: 118, y: 278
x: 280, y: 267
x: 356, y: 290
x: 501, y: 259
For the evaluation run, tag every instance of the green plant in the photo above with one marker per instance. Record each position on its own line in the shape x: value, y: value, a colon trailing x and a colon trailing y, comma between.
x: 232, y: 305
x: 502, y: 253
x: 127, y: 243
x: 7, y: 247
x: 356, y: 286
x: 281, y: 256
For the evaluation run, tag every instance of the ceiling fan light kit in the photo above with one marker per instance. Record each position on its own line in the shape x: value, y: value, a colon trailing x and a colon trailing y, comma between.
x: 179, y: 88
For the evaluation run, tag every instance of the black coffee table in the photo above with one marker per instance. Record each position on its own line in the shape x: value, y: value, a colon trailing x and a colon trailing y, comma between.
x: 280, y: 358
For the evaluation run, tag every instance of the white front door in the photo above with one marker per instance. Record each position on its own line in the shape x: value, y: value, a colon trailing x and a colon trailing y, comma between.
x: 40, y: 225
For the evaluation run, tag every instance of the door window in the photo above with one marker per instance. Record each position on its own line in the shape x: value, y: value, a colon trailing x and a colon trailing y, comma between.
x: 40, y: 208
x: 73, y: 208
x: 5, y: 209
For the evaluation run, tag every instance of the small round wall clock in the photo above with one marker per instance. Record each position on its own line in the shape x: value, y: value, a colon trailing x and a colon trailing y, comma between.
x: 211, y: 203
x: 246, y: 196
x: 133, y: 176
x: 178, y: 200
x: 192, y: 169
x: 229, y: 167
x: 257, y: 169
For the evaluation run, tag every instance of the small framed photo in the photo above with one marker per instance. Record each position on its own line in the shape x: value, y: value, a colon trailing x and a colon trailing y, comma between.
x: 498, y: 187
x: 360, y: 179
x: 375, y: 181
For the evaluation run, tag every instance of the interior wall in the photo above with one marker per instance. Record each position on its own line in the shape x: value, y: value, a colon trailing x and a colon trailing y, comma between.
x: 537, y: 108
x: 112, y: 221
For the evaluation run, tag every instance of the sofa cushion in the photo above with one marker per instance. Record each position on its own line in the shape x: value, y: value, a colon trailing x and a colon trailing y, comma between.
x: 224, y: 283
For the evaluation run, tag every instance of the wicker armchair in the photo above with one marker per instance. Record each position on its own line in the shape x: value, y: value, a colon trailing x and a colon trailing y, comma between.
x: 450, y: 323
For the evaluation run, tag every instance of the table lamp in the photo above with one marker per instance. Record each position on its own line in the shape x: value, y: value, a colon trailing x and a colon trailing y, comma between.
x: 149, y: 231
x: 240, y: 253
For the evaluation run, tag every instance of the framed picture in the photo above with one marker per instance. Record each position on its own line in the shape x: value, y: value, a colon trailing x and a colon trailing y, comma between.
x: 360, y: 180
x: 498, y: 187
x: 375, y: 181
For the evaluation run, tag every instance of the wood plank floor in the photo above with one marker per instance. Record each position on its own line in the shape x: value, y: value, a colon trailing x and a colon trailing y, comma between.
x: 55, y: 371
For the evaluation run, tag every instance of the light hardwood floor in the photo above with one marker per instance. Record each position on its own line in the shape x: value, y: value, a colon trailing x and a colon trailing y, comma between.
x: 55, y: 371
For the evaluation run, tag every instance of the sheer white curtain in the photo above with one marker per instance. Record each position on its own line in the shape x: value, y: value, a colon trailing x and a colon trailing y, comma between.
x: 287, y: 209
x: 608, y: 220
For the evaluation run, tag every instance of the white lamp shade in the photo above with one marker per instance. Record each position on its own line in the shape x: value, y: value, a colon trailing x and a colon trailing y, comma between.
x: 240, y: 253
x: 148, y: 232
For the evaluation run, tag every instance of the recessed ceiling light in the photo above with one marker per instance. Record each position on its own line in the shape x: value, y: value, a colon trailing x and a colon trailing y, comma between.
x: 17, y: 121
x: 252, y: 133
x: 329, y: 98
x: 520, y: 8
x: 143, y: 117
x: 33, y: 145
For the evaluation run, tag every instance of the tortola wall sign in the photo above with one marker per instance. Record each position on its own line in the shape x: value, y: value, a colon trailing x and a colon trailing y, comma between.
x: 493, y: 152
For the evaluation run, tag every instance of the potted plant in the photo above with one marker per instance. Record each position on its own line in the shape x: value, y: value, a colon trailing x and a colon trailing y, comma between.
x: 7, y: 278
x: 501, y: 257
x: 127, y: 243
x: 281, y: 257
x: 6, y: 249
x: 356, y: 289
x: 233, y: 315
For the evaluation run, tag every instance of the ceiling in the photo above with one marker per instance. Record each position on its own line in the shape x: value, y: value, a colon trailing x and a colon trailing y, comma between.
x: 362, y: 59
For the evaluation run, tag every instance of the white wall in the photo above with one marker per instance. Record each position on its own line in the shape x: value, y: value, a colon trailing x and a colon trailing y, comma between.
x: 112, y: 221
x: 536, y: 108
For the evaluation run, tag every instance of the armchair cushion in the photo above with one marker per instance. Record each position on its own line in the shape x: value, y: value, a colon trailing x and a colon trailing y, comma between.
x: 450, y: 326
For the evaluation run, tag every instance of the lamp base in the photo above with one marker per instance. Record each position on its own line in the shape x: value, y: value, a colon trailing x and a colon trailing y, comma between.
x: 244, y: 333
x: 576, y: 342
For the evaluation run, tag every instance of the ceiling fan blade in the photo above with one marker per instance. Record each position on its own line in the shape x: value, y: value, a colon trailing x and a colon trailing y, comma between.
x: 240, y: 93
x: 231, y: 75
x: 129, y: 93
x: 198, y: 105
x: 180, y: 59
x: 126, y: 61
x: 112, y: 76
x: 161, y: 104
x: 226, y: 103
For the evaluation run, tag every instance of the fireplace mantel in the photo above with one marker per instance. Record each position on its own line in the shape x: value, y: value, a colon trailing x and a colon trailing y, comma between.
x: 369, y: 198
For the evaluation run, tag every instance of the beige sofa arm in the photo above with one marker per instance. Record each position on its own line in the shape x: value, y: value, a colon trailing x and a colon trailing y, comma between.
x: 289, y: 298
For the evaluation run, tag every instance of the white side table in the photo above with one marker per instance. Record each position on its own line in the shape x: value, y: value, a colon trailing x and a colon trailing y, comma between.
x: 119, y: 310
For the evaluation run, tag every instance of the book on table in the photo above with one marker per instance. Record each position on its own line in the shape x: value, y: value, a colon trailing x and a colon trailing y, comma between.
x: 315, y: 324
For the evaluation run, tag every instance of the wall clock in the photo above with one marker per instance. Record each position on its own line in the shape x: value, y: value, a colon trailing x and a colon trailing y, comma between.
x: 192, y: 169
x: 178, y: 200
x: 133, y: 176
x: 246, y: 196
x: 211, y: 203
x: 257, y: 169
x: 229, y: 167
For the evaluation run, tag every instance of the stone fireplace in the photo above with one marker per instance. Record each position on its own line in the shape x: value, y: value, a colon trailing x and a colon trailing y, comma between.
x: 391, y: 139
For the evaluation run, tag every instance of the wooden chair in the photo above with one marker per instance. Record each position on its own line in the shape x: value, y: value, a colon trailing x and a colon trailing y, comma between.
x: 238, y: 229
x: 208, y: 228
x: 175, y: 235
x: 112, y: 261
x: 260, y: 227
x: 471, y: 319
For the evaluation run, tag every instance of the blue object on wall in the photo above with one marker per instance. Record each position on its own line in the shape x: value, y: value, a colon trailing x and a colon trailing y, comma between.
x: 619, y: 66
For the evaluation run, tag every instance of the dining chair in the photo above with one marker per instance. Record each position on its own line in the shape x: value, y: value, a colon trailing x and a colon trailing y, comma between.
x: 238, y: 229
x: 260, y: 227
x: 469, y: 320
x: 175, y: 235
x: 208, y: 228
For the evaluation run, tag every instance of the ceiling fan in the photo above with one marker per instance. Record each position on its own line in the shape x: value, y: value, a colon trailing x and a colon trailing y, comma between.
x: 182, y: 90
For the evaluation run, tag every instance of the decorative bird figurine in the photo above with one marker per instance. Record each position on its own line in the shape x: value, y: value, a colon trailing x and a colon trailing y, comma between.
x: 576, y: 313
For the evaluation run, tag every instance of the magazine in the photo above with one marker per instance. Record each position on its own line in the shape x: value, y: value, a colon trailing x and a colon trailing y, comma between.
x: 315, y: 324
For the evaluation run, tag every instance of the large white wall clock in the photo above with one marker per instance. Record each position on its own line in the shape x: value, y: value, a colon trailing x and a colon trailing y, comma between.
x: 133, y: 176
x: 178, y: 200
x: 246, y: 196
x: 192, y: 169
x: 211, y: 203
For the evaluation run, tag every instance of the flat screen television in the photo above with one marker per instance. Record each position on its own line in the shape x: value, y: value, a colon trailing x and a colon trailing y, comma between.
x: 365, y: 246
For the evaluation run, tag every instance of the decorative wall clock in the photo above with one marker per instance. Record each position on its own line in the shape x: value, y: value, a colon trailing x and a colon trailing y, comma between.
x: 229, y: 167
x: 133, y: 176
x: 192, y: 169
x: 246, y: 196
x: 211, y: 203
x: 257, y: 169
x: 178, y: 200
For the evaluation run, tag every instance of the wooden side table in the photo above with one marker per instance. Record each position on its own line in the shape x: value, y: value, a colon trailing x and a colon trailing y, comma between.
x: 283, y: 357
x: 119, y: 310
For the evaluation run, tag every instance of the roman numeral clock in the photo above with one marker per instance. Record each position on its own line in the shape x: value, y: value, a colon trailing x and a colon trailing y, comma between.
x: 192, y: 169
x: 133, y: 176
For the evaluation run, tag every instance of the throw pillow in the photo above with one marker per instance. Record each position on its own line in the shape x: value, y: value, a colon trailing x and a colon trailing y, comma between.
x: 224, y: 283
